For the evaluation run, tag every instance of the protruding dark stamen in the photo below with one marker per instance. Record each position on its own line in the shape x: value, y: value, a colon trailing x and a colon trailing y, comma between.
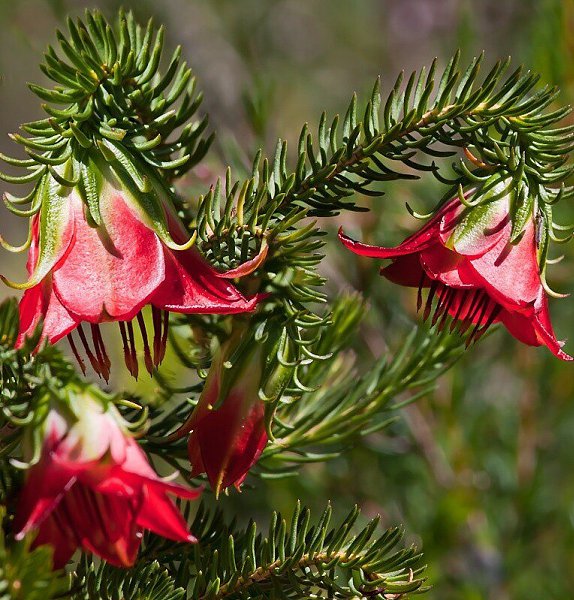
x: 126, y: 348
x: 76, y: 353
x: 93, y: 361
x: 447, y: 305
x: 478, y: 313
x: 157, y: 335
x: 493, y: 316
x: 97, y: 353
x: 133, y: 355
x: 494, y: 312
x: 147, y: 354
x: 441, y: 305
x: 430, y: 297
x: 107, y: 360
x: 484, y: 307
x: 472, y: 307
x: 101, y: 353
x: 463, y: 297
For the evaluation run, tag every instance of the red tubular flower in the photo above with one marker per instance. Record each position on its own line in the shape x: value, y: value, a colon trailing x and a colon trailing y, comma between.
x: 227, y: 427
x: 94, y: 489
x: 80, y: 272
x: 465, y: 258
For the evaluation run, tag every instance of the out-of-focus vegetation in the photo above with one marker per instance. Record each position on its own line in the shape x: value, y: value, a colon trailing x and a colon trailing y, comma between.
x: 482, y: 473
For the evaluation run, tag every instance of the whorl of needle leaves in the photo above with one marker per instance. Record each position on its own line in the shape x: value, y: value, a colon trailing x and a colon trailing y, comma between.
x: 491, y: 124
x: 114, y: 102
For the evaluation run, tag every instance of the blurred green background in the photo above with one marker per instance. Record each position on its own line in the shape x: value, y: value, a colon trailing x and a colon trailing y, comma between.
x: 482, y: 473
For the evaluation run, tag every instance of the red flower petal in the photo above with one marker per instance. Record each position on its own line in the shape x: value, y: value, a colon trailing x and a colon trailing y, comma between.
x: 160, y: 515
x: 443, y: 265
x: 46, y: 485
x: 475, y: 231
x: 535, y: 329
x: 248, y: 266
x: 109, y: 275
x: 509, y: 273
x: 46, y: 482
x: 40, y: 302
x: 231, y: 441
x: 192, y: 286
x: 58, y: 535
x: 426, y: 236
x: 405, y: 270
x: 412, y: 244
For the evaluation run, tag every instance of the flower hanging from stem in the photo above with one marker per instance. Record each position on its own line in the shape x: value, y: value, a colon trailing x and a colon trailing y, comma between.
x: 92, y: 486
x: 86, y: 274
x: 472, y: 270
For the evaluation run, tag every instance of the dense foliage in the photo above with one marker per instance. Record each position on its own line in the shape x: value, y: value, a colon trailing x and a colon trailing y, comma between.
x: 318, y: 391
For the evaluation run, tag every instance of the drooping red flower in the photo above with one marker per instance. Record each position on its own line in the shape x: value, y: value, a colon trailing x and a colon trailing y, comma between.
x: 227, y: 427
x: 465, y: 259
x: 109, y: 272
x: 94, y: 489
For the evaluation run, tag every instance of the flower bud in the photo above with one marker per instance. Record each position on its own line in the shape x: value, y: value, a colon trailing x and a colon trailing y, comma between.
x: 228, y: 430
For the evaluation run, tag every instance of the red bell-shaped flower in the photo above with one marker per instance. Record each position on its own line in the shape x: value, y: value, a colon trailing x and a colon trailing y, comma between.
x: 83, y: 272
x: 227, y: 426
x: 465, y: 258
x: 94, y: 489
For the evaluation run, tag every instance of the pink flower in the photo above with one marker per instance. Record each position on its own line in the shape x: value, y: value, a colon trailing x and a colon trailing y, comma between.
x: 80, y: 273
x: 477, y: 277
x: 94, y: 489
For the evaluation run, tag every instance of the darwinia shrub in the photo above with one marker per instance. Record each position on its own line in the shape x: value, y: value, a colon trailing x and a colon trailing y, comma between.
x: 267, y: 382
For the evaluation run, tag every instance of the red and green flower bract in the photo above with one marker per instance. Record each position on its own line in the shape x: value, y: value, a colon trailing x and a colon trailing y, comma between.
x: 227, y: 427
x: 464, y: 257
x: 94, y: 489
x: 110, y: 272
x: 225, y: 443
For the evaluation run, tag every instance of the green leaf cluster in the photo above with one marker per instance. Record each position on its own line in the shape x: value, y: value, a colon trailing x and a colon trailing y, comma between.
x: 496, y: 126
x: 114, y: 105
x: 27, y: 574
x: 298, y: 558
